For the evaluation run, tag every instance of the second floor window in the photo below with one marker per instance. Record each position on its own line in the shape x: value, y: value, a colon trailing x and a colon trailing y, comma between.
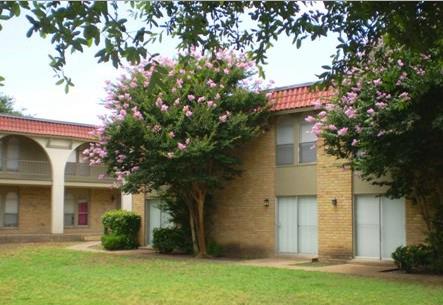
x: 307, y: 146
x: 285, y: 143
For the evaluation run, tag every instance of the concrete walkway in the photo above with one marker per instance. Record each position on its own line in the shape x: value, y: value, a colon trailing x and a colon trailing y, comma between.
x: 355, y: 268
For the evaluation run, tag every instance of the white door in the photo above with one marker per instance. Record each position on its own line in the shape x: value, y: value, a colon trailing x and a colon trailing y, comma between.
x: 392, y: 225
x: 297, y: 225
x: 380, y: 226
x: 157, y: 218
x: 287, y: 225
x: 307, y: 225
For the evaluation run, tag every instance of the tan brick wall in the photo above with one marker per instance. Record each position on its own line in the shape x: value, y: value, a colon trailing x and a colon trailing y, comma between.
x: 138, y: 206
x: 415, y: 225
x: 238, y: 219
x: 334, y: 222
x: 35, y: 211
x: 101, y: 200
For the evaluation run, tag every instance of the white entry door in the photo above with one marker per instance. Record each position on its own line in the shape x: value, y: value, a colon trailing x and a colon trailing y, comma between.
x: 380, y: 226
x: 157, y: 218
x: 297, y: 225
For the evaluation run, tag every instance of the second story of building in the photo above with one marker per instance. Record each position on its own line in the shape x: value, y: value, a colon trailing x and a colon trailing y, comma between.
x: 41, y: 152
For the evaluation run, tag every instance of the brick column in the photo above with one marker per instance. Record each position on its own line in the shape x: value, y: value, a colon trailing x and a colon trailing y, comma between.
x: 334, y: 222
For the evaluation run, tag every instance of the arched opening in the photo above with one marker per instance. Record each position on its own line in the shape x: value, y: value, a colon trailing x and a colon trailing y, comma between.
x: 77, y: 168
x: 23, y: 158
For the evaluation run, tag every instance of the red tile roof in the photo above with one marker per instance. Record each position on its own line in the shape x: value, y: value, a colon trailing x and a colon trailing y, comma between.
x: 287, y: 98
x: 27, y: 125
x: 298, y: 96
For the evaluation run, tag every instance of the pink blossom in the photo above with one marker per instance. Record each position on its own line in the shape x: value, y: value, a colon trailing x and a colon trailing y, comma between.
x: 201, y: 99
x: 342, y: 131
x: 381, y: 133
x: 223, y: 118
x: 179, y: 82
x: 351, y: 113
x: 188, y: 113
x: 317, y: 104
x: 400, y: 63
x: 332, y: 127
x: 171, y: 134
x: 211, y: 83
x: 381, y: 105
x: 316, y: 129
x: 358, y: 129
x: 188, y: 141
x: 156, y: 128
x: 211, y: 104
x: 159, y: 102
x: 191, y: 97
x: 177, y: 102
x: 181, y: 146
x: 322, y: 114
x: 133, y: 84
x: 185, y: 108
x: 404, y: 96
x: 226, y: 70
x: 164, y: 108
x: 370, y: 111
x: 310, y: 119
x: 354, y: 142
x: 377, y: 82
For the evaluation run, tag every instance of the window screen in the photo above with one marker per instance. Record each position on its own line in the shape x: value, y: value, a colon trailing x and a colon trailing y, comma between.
x: 69, y: 210
x: 285, y: 143
x: 10, y: 210
x: 307, y: 145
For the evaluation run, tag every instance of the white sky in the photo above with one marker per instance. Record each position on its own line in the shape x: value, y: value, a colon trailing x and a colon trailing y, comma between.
x: 24, y: 64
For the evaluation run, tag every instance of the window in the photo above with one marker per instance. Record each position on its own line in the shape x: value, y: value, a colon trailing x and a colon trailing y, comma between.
x: 83, y: 213
x: 69, y: 210
x: 307, y: 147
x: 9, y: 209
x: 285, y: 143
x: 12, y: 154
x: 76, y: 209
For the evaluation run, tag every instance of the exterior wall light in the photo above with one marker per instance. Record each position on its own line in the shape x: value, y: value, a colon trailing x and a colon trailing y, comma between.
x: 266, y: 202
x: 334, y: 201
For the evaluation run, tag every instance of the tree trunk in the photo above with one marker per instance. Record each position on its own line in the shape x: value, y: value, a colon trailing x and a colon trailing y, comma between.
x: 201, y: 236
x: 192, y: 226
x: 199, y: 196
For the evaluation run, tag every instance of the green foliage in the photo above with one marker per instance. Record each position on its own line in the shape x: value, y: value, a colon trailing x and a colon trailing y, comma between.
x: 412, y: 258
x: 215, y: 249
x: 74, y: 26
x: 120, y: 230
x: 167, y: 240
x: 7, y: 105
x: 118, y: 242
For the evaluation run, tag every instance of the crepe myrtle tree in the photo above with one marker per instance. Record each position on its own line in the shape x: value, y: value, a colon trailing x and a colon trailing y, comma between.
x: 176, y: 125
x: 387, y: 119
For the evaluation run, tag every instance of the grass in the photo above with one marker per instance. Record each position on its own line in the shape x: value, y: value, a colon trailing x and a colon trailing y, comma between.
x: 45, y: 275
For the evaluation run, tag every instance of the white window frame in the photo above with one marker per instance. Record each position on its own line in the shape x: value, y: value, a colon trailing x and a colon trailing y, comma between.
x: 3, y: 194
x: 311, y: 143
x: 285, y: 123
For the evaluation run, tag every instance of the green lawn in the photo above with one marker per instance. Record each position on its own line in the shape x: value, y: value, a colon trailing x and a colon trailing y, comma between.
x: 52, y: 275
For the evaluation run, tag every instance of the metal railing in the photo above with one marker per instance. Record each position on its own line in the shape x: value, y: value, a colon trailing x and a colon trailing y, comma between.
x: 25, y: 169
x: 41, y: 170
x: 83, y: 172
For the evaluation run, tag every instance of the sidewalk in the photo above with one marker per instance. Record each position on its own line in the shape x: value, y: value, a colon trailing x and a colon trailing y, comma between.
x: 382, y: 271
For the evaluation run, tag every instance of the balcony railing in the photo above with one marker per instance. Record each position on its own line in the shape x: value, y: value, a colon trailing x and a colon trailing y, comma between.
x: 83, y: 172
x: 25, y: 169
x: 41, y: 170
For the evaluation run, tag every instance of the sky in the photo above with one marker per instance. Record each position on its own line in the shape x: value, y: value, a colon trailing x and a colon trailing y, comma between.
x: 24, y: 63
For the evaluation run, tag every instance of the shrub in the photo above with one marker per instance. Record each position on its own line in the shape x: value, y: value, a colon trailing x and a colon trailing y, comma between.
x: 166, y: 240
x: 413, y: 258
x: 115, y: 242
x: 214, y: 249
x: 120, y: 230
